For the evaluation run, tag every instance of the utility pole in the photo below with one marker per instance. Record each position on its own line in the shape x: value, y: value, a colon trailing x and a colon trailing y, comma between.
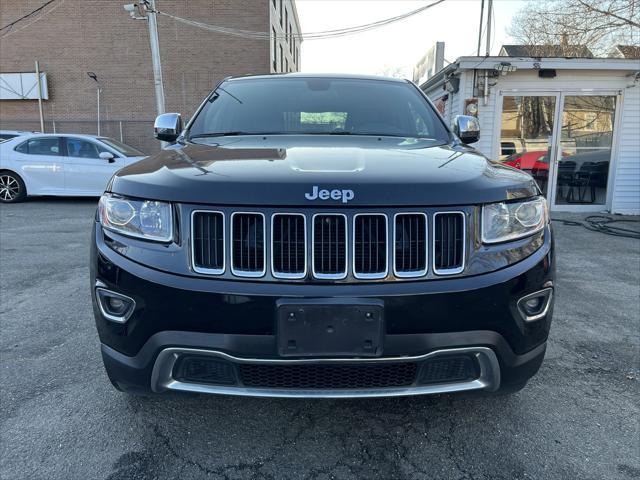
x: 489, y: 14
x: 480, y: 27
x: 135, y: 11
x: 488, y: 51
x: 150, y: 6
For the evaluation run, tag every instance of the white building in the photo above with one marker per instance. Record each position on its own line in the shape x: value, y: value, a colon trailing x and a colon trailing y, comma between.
x: 582, y: 113
x: 285, y: 36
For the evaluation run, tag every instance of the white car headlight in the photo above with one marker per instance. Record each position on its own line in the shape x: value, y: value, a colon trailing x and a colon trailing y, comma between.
x: 502, y: 222
x: 146, y: 219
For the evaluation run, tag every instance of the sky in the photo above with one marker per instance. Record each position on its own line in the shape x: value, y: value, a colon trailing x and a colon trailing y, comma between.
x: 400, y: 45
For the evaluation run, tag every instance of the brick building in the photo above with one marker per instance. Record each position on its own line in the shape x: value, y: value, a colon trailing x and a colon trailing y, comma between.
x: 71, y: 38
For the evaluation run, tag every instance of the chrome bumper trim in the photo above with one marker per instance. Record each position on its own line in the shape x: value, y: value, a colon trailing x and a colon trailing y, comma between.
x: 489, y: 379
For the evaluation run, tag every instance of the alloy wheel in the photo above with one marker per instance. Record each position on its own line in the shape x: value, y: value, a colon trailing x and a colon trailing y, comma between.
x: 9, y: 188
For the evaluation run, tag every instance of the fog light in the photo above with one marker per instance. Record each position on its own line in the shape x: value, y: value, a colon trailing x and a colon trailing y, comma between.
x: 115, y: 306
x: 535, y: 305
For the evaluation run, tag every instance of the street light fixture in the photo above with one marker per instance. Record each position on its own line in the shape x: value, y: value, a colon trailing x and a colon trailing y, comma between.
x: 94, y: 77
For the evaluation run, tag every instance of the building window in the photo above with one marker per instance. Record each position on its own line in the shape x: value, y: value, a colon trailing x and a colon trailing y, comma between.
x: 281, y: 9
x: 275, y: 49
x: 286, y: 23
x: 281, y: 59
x: 292, y: 39
x: 287, y: 65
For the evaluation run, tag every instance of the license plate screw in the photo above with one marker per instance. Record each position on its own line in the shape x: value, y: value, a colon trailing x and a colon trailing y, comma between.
x: 368, y: 315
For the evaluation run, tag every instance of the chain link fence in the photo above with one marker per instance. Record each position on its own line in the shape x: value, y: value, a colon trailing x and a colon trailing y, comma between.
x: 137, y: 133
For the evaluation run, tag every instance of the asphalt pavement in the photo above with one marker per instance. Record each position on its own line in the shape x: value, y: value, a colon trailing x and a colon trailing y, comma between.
x: 579, y: 418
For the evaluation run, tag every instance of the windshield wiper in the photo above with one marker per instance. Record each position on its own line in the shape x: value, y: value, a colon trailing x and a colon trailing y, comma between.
x: 220, y: 134
x: 362, y: 134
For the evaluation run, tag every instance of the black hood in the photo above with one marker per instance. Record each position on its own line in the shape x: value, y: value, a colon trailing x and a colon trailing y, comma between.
x: 280, y: 170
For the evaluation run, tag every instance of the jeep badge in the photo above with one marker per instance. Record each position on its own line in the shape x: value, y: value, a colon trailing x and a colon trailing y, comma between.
x: 344, y: 195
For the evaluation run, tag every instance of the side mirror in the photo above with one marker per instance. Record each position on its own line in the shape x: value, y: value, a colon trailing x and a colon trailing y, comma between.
x: 167, y: 127
x: 110, y: 157
x: 467, y: 128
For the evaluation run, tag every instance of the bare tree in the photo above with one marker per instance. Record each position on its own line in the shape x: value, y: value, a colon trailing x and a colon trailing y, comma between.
x: 392, y: 71
x: 572, y: 24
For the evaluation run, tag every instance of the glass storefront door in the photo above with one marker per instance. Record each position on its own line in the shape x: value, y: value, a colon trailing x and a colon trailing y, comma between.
x: 563, y: 140
x: 527, y: 134
x: 585, y: 153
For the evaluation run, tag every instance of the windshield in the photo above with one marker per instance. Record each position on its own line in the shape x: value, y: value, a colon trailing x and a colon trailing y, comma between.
x: 122, y: 148
x: 337, y: 106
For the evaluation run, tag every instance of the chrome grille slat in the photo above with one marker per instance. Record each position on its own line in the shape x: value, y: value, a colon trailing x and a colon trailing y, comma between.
x: 329, y: 246
x: 370, y: 240
x: 414, y: 240
x: 288, y: 245
x: 248, y: 235
x: 208, y: 232
x: 449, y: 242
x: 410, y: 245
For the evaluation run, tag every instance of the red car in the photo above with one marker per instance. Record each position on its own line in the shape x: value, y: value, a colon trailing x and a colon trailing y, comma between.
x: 529, y: 161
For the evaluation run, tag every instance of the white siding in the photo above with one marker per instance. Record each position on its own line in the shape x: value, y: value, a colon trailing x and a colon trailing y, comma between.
x: 625, y: 197
x: 626, y: 192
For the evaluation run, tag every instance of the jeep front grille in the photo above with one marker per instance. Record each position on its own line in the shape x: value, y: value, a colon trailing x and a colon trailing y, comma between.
x: 370, y: 246
x: 356, y: 245
x: 288, y: 245
x: 248, y: 244
x: 410, y: 259
x: 330, y: 246
x: 208, y: 240
x: 448, y: 242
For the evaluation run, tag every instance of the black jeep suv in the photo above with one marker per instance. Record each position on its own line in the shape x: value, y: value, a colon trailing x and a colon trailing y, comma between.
x: 321, y: 236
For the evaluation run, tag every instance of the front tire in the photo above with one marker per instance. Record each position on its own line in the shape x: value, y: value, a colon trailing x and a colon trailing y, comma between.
x: 12, y: 188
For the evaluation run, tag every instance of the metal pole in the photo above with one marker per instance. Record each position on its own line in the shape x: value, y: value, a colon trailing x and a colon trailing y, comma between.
x: 121, y: 137
x: 488, y: 52
x: 489, y: 14
x: 480, y: 27
x: 40, y: 97
x: 98, y: 98
x: 155, y: 56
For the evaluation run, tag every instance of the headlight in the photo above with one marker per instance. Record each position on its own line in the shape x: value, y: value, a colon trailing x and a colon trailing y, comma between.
x: 146, y: 219
x: 502, y: 222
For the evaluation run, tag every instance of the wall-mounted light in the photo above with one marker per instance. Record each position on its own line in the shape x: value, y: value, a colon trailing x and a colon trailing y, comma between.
x: 452, y: 84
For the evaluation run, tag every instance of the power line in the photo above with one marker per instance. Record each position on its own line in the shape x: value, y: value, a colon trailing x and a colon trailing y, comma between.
x: 33, y: 12
x: 320, y: 35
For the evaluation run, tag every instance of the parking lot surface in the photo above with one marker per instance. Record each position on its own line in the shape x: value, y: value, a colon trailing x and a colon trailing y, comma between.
x: 61, y: 419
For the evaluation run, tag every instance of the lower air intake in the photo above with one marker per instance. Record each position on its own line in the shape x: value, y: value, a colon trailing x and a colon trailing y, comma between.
x: 449, y: 369
x: 199, y: 369
x: 323, y: 376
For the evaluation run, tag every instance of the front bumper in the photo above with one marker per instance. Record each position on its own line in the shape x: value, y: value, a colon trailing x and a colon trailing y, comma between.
x: 235, y: 322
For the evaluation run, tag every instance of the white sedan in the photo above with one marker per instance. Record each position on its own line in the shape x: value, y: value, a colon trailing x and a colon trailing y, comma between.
x: 60, y: 164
